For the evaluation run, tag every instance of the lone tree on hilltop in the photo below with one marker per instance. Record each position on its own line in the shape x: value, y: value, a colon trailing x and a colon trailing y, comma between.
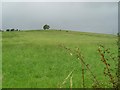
x: 46, y: 27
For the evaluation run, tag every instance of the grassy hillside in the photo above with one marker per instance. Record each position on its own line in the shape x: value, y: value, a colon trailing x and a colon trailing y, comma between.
x: 34, y: 59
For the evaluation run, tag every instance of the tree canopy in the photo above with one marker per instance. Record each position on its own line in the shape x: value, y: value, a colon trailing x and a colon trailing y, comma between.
x: 46, y: 27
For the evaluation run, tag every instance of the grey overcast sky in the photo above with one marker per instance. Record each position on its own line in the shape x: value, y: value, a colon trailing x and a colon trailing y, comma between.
x: 60, y: 0
x: 100, y: 17
x: 0, y: 15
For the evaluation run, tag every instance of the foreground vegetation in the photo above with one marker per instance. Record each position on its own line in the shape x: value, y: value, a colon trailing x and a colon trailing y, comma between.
x: 35, y: 59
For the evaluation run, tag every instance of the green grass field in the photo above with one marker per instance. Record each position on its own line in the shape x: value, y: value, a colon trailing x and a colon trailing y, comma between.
x: 33, y: 59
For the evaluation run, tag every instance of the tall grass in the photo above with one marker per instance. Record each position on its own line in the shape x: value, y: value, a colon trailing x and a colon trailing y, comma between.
x: 106, y: 55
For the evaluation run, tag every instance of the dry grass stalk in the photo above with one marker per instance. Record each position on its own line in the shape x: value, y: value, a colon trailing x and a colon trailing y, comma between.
x: 107, y: 69
x: 78, y: 54
x: 66, y: 78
